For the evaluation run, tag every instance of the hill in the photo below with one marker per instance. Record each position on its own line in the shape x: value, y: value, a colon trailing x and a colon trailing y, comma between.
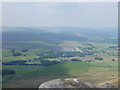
x: 13, y: 36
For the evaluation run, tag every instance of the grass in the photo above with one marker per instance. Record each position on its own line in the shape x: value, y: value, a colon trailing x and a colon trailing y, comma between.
x: 37, y: 42
x: 66, y: 68
x: 62, y: 68
x: 87, y: 72
x: 33, y: 62
x: 31, y: 76
x: 30, y: 55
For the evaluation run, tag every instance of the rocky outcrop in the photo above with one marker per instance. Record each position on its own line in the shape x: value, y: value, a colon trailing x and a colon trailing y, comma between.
x: 71, y: 83
x: 107, y: 85
x: 57, y: 83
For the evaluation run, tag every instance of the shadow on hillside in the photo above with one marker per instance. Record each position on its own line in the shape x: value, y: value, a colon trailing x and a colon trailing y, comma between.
x: 32, y: 78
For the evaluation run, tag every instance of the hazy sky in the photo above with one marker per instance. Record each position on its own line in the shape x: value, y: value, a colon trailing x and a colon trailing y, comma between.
x: 82, y: 14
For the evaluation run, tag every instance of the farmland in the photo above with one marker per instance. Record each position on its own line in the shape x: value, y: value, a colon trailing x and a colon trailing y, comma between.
x: 68, y: 66
x: 29, y: 61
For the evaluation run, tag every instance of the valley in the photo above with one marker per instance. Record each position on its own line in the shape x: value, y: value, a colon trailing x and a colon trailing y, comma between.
x: 29, y: 58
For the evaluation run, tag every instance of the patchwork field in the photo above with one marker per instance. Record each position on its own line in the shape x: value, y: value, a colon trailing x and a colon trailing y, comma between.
x: 33, y: 71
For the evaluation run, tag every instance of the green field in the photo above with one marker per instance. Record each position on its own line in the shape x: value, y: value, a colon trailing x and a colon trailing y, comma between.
x: 69, y: 68
x: 26, y: 75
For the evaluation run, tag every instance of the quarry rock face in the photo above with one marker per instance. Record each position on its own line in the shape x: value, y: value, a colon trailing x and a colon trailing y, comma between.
x: 71, y: 83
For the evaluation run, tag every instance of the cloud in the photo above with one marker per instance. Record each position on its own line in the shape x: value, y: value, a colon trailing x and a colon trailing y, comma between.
x: 90, y: 15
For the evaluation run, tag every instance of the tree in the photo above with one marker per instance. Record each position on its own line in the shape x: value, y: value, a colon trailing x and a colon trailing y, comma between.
x: 113, y: 59
x: 12, y: 50
x: 48, y: 63
x: 7, y: 72
x: 17, y: 54
x: 24, y: 50
x: 98, y: 58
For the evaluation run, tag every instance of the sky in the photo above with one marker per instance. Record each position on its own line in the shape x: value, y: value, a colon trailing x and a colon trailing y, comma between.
x: 60, y: 0
x: 50, y: 14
